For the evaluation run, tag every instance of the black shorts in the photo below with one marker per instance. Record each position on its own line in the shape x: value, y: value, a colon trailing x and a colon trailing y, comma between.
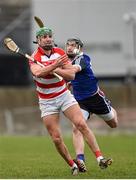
x: 97, y: 104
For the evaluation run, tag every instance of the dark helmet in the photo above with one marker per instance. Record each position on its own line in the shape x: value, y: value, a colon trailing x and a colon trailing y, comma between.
x: 77, y: 41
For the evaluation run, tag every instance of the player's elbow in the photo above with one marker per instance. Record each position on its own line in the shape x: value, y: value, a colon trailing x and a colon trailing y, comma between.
x: 39, y: 74
x: 72, y: 77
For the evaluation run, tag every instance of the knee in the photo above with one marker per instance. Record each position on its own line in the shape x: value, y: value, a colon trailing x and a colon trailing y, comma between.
x: 56, y: 138
x: 57, y: 141
x: 114, y: 123
x: 76, y: 130
x: 81, y: 126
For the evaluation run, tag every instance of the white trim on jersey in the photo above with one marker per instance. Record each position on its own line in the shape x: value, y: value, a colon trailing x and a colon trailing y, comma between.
x: 50, y: 90
x: 46, y: 81
x: 52, y: 57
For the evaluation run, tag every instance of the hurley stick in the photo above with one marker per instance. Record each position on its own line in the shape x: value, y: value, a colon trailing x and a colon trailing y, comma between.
x: 12, y: 46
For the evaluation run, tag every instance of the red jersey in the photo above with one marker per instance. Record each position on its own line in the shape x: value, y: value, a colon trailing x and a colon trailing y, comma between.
x: 50, y: 86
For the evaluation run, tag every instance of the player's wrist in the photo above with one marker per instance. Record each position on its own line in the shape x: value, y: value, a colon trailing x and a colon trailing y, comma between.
x: 54, y: 66
x: 56, y: 70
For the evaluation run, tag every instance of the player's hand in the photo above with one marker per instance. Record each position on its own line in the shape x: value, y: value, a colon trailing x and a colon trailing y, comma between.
x: 61, y: 61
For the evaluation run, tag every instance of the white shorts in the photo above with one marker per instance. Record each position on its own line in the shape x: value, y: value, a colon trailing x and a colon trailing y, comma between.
x: 57, y: 104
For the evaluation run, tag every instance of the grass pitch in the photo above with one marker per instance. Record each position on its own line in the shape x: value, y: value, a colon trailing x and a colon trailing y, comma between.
x: 36, y: 158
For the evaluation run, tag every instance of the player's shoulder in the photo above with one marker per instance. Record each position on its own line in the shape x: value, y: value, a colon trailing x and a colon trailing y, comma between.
x: 86, y: 56
x: 36, y: 54
x: 58, y: 50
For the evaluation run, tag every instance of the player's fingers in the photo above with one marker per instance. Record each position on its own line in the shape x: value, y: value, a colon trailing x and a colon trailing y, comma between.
x: 62, y: 57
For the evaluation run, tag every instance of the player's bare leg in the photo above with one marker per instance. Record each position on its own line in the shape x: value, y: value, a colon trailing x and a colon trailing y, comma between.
x: 113, y: 123
x: 78, y: 142
x: 52, y: 124
x: 75, y: 115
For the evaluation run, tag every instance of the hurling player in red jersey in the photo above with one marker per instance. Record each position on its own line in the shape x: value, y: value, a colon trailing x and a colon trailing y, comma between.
x: 55, y: 97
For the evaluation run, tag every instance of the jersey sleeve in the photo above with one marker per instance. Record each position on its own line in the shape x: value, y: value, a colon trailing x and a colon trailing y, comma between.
x: 36, y: 56
x: 80, y: 61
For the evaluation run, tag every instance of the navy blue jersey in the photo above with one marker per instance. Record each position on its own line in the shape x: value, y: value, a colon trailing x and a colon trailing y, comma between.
x: 85, y: 83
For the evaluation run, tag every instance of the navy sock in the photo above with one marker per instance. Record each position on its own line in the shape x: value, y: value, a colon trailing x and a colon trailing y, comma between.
x: 81, y: 157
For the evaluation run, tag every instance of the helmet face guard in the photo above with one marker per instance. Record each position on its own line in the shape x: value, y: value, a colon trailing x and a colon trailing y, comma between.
x: 77, y: 50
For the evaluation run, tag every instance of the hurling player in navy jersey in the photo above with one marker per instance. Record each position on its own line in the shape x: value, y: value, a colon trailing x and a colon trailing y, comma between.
x: 89, y: 96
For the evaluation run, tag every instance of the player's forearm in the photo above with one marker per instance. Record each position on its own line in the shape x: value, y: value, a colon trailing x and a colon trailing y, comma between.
x: 76, y: 68
x: 41, y: 72
x: 67, y: 74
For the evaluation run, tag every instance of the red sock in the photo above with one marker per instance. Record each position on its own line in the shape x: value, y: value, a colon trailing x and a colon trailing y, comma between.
x: 71, y: 162
x: 98, y: 153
